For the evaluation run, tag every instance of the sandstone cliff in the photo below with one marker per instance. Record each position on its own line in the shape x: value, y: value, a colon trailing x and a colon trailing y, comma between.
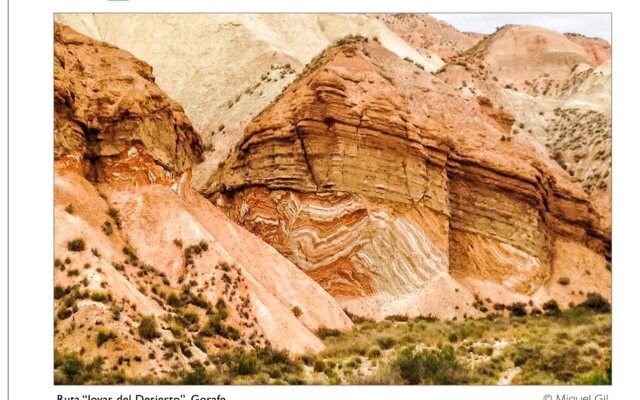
x: 135, y: 243
x: 400, y: 196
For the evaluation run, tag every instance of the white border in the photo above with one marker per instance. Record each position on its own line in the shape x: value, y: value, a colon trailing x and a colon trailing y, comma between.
x: 31, y: 198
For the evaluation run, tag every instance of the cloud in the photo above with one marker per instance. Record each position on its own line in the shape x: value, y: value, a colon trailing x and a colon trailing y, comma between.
x: 595, y: 25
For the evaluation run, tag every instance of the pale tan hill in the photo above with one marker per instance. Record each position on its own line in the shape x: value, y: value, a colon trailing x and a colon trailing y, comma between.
x: 430, y: 35
x: 401, y: 196
x: 225, y: 68
x: 149, y: 274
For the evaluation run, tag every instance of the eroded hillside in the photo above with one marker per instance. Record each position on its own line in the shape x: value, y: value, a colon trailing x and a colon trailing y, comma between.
x: 149, y: 274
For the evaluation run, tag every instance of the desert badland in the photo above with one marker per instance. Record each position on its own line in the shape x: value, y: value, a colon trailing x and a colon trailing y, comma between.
x: 329, y: 199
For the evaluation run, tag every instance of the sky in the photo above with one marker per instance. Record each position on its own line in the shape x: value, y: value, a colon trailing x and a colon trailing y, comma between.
x: 595, y: 25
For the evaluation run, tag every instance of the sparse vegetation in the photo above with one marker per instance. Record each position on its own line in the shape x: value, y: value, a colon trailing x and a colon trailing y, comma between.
x: 115, y: 215
x: 569, y: 346
x: 349, y: 39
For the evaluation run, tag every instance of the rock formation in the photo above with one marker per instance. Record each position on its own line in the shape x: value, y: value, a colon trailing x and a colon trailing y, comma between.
x: 135, y: 243
x: 366, y: 174
x: 369, y: 176
x: 226, y: 68
x: 558, y: 87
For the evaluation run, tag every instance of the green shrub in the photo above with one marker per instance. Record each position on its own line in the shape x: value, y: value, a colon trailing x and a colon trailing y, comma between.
x: 76, y: 245
x: 72, y: 370
x: 100, y: 297
x: 64, y: 312
x: 130, y: 252
x: 386, y: 342
x: 374, y: 352
x: 324, y: 332
x: 551, y: 307
x: 518, y: 309
x: 148, y: 328
x: 319, y: 366
x: 439, y: 367
x: 58, y: 292
x: 173, y: 300
x: 397, y: 318
x: 596, y: 378
x: 70, y: 209
x: 307, y: 359
x: 104, y: 336
x: 499, y: 306
x: 564, y: 281
x: 198, y: 375
x: 107, y: 228
x: 191, y: 317
x: 115, y: 214
x: 597, y: 303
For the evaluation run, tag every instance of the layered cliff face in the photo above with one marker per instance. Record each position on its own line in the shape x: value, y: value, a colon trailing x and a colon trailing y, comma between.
x: 226, y: 68
x: 368, y: 175
x: 147, y: 270
x: 558, y: 88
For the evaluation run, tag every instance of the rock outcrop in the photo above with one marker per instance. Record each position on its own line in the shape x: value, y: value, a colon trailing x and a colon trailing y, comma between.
x: 399, y: 195
x: 134, y: 242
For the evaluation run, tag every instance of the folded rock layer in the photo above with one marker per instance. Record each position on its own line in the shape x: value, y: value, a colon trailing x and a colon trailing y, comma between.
x: 390, y: 189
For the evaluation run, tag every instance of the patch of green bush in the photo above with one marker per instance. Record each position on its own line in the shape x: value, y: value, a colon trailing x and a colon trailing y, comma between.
x: 597, y: 303
x: 324, y: 332
x: 439, y: 367
x: 148, y: 328
x: 104, y: 335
